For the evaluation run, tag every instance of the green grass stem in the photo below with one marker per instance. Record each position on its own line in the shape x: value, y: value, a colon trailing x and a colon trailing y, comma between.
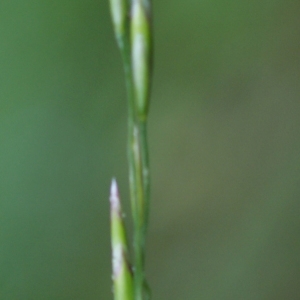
x: 133, y: 34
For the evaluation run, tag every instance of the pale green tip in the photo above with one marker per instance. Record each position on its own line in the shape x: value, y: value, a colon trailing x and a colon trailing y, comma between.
x: 121, y: 271
x: 141, y: 55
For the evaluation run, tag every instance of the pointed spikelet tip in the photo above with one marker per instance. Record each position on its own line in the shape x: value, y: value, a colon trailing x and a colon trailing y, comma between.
x: 114, y: 195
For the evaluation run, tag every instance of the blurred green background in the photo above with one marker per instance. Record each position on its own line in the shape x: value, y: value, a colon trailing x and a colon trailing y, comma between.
x: 224, y: 142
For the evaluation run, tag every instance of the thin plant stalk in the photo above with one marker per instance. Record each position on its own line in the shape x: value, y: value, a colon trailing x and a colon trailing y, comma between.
x: 132, y: 26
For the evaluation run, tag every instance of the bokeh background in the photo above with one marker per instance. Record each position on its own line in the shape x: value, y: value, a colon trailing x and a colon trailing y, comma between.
x: 224, y: 142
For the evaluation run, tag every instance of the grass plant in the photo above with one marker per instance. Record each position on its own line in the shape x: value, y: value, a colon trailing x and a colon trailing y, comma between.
x: 132, y: 26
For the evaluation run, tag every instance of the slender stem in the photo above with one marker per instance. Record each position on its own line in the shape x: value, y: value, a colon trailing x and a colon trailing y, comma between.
x: 145, y: 168
x: 126, y: 55
x: 140, y: 135
x: 134, y: 40
x: 140, y: 217
x: 138, y: 178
